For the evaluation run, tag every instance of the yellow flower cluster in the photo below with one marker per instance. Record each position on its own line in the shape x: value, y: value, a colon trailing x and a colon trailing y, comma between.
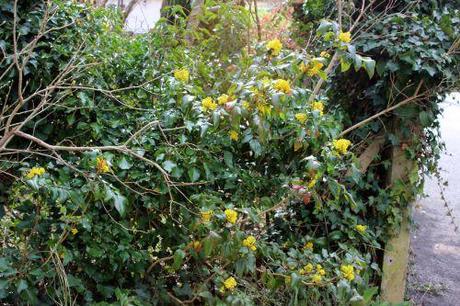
x: 316, y: 278
x: 208, y: 104
x: 283, y: 86
x: 361, y: 228
x: 230, y: 283
x: 250, y: 243
x: 231, y: 215
x: 308, y: 246
x: 223, y: 99
x: 318, y: 106
x: 320, y: 270
x: 287, y: 280
x: 35, y: 171
x: 264, y: 108
x: 196, y: 245
x: 301, y: 117
x: 324, y: 54
x: 246, y: 105
x: 345, y: 37
x: 348, y: 272
x: 308, y: 268
x: 233, y: 135
x: 74, y: 231
x: 101, y: 165
x: 182, y: 74
x: 341, y: 145
x: 312, y: 69
x: 274, y: 46
x: 206, y: 216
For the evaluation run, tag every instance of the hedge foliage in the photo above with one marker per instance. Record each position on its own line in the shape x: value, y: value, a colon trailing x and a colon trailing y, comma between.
x: 199, y: 174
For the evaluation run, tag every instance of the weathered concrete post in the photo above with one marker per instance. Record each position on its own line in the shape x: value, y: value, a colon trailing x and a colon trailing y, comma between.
x: 396, y: 257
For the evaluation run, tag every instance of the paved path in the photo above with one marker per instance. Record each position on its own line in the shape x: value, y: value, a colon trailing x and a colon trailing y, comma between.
x: 434, y: 277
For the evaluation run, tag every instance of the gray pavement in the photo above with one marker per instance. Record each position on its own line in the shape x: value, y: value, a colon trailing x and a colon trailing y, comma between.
x: 434, y: 270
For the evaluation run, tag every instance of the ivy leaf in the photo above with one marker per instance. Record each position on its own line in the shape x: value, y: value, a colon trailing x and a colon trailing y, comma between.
x: 22, y: 285
x: 194, y: 174
x: 85, y: 100
x: 124, y: 164
x: 119, y: 201
x: 120, y: 204
x: 425, y: 118
x: 169, y: 165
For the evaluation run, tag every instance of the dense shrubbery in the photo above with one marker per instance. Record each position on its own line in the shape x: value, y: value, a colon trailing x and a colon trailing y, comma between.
x: 415, y: 48
x: 172, y: 173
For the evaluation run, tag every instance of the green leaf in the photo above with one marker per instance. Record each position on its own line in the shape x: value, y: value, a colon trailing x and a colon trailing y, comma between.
x: 425, y: 118
x: 85, y: 100
x: 255, y: 147
x: 120, y: 203
x: 193, y: 174
x: 169, y: 165
x: 228, y: 159
x: 358, y: 62
x: 22, y: 285
x: 124, y: 164
x: 369, y: 66
x: 179, y: 256
x: 344, y: 64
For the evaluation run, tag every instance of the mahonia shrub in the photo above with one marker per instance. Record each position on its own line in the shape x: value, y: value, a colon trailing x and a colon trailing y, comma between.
x: 205, y: 179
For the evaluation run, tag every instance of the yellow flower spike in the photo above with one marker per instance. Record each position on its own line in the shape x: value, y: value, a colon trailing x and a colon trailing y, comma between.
x: 101, y: 165
x: 348, y: 272
x: 250, y: 243
x: 182, y: 74
x: 345, y: 37
x: 230, y: 283
x: 341, y: 145
x: 301, y: 117
x: 35, y: 171
x: 246, y: 105
x: 74, y: 231
x: 233, y: 135
x: 231, y: 215
x: 316, y: 278
x: 308, y: 246
x: 208, y: 104
x: 274, y: 46
x: 318, y: 106
x: 206, y: 216
x: 283, y: 86
x: 361, y: 228
x: 223, y: 99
